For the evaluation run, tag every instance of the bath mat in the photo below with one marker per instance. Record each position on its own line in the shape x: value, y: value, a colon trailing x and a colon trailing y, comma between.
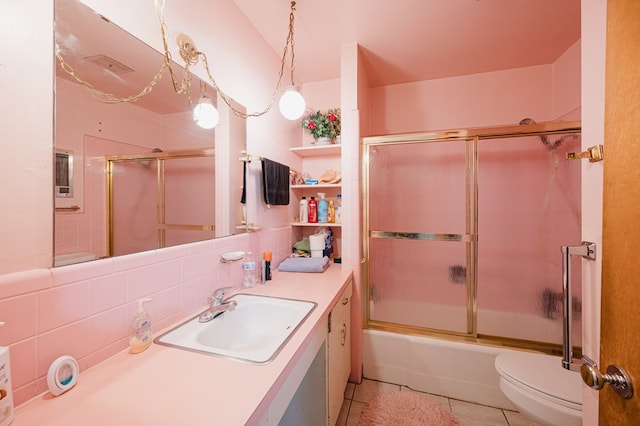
x: 406, y: 409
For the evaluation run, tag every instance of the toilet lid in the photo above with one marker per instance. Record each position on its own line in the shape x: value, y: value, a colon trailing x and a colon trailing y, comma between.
x: 542, y: 373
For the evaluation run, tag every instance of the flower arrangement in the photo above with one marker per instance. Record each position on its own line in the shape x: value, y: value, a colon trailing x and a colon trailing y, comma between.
x: 322, y: 124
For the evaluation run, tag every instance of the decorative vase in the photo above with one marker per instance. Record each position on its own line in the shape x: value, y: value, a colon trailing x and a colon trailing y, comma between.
x: 322, y: 140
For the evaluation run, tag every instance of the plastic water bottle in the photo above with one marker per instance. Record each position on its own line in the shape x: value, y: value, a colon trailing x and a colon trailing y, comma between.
x: 249, y: 271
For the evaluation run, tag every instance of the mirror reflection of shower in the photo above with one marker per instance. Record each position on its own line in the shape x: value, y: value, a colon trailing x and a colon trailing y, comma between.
x: 147, y: 163
x: 148, y: 210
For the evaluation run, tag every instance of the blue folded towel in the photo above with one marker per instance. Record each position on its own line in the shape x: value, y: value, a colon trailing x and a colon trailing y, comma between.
x: 304, y: 264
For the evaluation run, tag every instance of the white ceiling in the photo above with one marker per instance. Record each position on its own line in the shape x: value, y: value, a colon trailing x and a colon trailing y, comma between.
x: 415, y: 40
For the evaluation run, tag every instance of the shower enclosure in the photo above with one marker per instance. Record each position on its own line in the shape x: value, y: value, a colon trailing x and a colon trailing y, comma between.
x: 464, y: 232
x: 160, y: 199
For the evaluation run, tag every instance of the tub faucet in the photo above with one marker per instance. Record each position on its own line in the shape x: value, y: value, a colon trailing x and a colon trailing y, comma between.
x: 217, y: 306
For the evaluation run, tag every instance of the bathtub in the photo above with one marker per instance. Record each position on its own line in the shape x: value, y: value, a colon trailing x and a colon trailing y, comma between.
x: 71, y: 258
x: 451, y: 368
x: 457, y: 370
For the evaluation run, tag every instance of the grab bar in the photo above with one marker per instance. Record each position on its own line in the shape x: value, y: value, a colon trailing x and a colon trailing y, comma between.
x: 588, y: 251
x: 615, y: 376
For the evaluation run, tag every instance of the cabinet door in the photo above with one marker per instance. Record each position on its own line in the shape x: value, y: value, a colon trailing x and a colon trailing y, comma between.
x: 339, y: 359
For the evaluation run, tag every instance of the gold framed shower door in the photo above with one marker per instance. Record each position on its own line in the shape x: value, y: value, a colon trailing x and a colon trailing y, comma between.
x: 159, y: 158
x: 470, y: 137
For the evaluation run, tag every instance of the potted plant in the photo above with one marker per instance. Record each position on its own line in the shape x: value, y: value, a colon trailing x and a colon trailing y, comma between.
x: 324, y: 126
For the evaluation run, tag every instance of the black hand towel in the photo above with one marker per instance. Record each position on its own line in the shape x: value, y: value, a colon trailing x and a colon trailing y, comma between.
x: 275, y: 183
x: 243, y: 197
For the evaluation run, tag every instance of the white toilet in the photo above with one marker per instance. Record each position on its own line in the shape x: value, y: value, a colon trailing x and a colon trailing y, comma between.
x: 540, y: 388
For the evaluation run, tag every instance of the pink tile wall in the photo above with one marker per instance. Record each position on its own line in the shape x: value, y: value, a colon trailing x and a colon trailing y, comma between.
x: 72, y: 233
x: 85, y: 310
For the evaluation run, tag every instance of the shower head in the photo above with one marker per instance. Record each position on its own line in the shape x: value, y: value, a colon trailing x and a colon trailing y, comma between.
x: 545, y: 139
x: 526, y: 121
x: 147, y: 163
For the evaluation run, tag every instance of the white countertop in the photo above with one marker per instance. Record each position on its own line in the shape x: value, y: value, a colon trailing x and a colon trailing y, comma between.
x: 168, y: 386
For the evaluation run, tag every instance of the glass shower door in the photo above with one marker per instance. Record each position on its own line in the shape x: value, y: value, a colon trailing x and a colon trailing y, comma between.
x: 419, y: 240
x: 528, y: 207
x: 464, y: 236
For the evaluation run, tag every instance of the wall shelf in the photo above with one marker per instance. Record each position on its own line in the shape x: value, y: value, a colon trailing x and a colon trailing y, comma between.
x: 320, y: 185
x: 331, y: 225
x: 315, y: 160
x: 317, y: 151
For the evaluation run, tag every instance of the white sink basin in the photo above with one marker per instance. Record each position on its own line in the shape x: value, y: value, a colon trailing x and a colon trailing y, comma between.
x: 255, y: 331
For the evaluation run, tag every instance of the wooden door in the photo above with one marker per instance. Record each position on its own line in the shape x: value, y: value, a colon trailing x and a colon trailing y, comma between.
x: 620, y: 331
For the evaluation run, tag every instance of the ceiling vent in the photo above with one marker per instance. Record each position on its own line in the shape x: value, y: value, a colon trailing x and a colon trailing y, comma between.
x: 110, y: 64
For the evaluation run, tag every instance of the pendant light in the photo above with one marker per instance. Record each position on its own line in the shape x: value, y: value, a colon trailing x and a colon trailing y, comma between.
x: 205, y: 114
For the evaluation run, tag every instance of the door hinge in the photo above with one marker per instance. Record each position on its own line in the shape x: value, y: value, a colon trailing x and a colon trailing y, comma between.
x: 329, y: 323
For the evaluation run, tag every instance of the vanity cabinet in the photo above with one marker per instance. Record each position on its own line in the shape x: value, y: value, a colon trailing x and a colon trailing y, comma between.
x: 339, y: 353
x: 315, y: 387
x: 315, y: 161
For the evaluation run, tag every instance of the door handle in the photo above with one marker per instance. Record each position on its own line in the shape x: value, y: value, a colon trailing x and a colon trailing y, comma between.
x: 615, y: 376
x: 591, y: 375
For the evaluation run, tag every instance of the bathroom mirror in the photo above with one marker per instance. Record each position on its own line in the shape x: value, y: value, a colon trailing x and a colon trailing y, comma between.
x: 143, y: 174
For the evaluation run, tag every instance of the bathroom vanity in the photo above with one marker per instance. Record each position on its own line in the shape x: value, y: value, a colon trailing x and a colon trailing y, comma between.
x: 170, y: 386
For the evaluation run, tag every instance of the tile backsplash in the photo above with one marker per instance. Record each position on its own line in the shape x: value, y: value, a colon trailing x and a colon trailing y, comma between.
x: 85, y: 310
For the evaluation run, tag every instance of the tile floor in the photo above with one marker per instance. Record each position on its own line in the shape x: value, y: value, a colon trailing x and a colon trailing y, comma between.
x: 356, y: 397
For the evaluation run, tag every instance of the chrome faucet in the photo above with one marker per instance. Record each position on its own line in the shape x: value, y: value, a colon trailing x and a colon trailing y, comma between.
x: 217, y: 306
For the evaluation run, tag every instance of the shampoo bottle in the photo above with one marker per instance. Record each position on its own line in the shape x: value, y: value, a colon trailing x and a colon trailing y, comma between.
x: 6, y: 395
x: 323, y: 209
x: 141, y: 333
x: 332, y: 212
x: 313, y: 210
x: 337, y: 208
x: 304, y: 210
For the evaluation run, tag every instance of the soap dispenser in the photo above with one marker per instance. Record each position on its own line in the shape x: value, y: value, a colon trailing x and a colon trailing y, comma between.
x: 141, y: 333
x: 6, y: 396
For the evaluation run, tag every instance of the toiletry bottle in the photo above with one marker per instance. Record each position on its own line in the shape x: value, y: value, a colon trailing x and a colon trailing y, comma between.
x: 337, y: 207
x: 141, y: 333
x: 304, y: 210
x: 323, y: 209
x: 313, y: 210
x: 266, y: 266
x: 249, y: 271
x: 6, y: 393
x: 332, y: 212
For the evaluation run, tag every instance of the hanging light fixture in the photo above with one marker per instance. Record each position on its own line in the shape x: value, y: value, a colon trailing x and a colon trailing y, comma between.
x: 205, y: 113
x: 291, y: 104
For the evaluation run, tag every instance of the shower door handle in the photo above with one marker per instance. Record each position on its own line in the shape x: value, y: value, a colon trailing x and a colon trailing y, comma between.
x: 591, y: 375
x: 588, y: 251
